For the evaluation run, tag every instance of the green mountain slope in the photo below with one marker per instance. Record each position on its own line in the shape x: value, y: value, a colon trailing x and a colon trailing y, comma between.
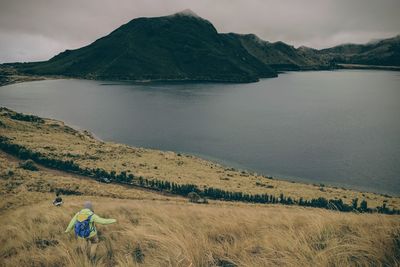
x: 382, y: 53
x: 177, y: 47
x: 281, y: 56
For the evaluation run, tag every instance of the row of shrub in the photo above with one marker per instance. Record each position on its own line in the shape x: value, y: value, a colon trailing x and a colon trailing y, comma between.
x: 184, y: 189
x: 25, y: 117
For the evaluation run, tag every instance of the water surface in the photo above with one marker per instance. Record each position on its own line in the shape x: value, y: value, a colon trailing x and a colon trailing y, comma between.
x: 339, y: 128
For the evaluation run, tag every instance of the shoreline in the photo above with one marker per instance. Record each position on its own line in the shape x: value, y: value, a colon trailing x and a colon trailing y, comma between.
x: 288, y: 178
x: 367, y: 67
x: 9, y: 75
x: 225, y: 164
x: 172, y: 166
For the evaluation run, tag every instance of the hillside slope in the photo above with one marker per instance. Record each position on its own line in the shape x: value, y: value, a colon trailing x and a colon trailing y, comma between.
x: 281, y: 56
x: 156, y: 230
x: 182, y: 46
x: 384, y: 52
x: 59, y: 145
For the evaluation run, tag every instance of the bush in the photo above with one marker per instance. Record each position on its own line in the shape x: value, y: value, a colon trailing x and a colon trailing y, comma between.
x: 24, y: 117
x: 28, y: 165
x: 65, y: 191
x: 138, y: 254
x: 363, y: 206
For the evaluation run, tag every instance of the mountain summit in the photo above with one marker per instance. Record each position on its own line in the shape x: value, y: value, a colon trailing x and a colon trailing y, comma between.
x: 187, y: 12
x: 181, y: 46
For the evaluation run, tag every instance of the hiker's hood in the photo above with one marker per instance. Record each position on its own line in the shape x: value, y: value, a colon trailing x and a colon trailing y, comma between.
x: 86, y: 212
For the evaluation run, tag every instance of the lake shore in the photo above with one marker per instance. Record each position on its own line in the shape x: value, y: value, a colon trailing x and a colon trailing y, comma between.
x: 54, y: 139
x: 239, y: 116
x: 9, y: 75
x: 368, y: 67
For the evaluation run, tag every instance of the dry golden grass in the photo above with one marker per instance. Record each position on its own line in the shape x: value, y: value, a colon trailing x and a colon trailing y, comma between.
x: 159, y: 233
x: 20, y: 187
x: 56, y: 140
x: 156, y: 230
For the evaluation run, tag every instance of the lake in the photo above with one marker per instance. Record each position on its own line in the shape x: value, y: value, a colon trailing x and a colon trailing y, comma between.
x: 333, y: 127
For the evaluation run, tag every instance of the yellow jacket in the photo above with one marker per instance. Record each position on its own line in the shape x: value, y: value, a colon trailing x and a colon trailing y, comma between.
x: 84, y: 214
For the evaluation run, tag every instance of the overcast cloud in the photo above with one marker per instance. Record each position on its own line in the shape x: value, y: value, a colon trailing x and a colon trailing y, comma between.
x: 39, y: 29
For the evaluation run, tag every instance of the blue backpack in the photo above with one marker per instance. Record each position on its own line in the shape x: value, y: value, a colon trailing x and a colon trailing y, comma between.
x: 82, y: 228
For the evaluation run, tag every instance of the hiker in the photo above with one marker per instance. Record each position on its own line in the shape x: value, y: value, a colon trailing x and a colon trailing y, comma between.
x: 85, y: 229
x: 58, y: 201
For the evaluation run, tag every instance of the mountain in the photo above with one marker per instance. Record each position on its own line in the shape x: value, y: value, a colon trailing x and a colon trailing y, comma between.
x: 186, y: 47
x: 384, y: 52
x: 281, y: 56
x: 182, y: 46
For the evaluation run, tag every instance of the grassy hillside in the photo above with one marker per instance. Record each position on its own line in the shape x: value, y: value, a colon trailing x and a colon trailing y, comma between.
x: 384, y: 52
x: 157, y: 230
x: 21, y: 187
x: 177, y: 47
x: 281, y: 56
x: 10, y: 75
x: 54, y: 140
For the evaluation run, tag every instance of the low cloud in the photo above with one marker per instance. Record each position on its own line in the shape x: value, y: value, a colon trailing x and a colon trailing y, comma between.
x: 37, y: 30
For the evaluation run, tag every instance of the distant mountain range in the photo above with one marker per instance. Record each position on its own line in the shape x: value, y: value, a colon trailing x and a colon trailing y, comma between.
x: 381, y: 53
x: 185, y: 46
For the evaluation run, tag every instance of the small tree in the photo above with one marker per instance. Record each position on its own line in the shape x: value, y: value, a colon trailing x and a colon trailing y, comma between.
x: 130, y: 178
x: 364, y: 205
x: 354, y: 203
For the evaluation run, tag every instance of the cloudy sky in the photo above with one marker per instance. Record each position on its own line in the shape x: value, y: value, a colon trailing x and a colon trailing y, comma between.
x: 38, y: 29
